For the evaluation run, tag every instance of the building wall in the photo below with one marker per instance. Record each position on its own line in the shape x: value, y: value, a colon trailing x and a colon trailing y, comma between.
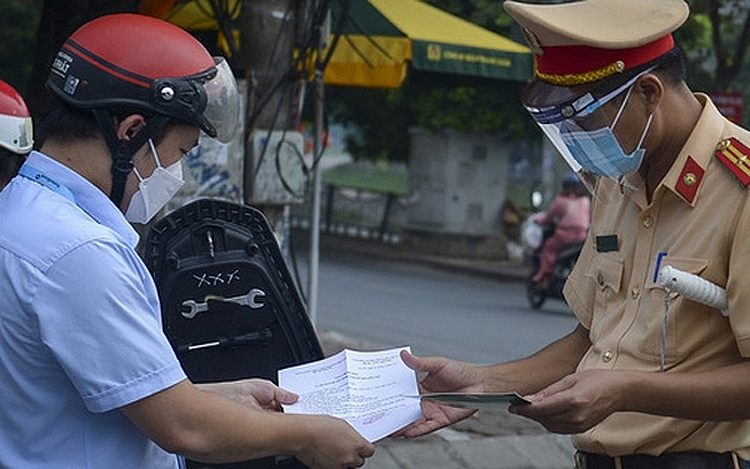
x: 458, y: 182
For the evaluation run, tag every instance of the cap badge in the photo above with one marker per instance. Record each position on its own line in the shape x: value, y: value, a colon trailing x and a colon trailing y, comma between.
x: 735, y: 156
x: 533, y: 41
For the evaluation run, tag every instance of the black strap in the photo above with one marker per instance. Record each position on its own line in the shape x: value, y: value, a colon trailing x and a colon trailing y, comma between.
x: 122, y: 151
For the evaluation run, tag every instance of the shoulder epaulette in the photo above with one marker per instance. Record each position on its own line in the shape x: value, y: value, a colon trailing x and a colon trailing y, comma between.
x: 690, y: 179
x: 736, y: 157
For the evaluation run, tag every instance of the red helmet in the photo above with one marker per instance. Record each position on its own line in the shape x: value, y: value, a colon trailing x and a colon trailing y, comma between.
x: 16, y: 131
x: 126, y: 61
x: 136, y: 61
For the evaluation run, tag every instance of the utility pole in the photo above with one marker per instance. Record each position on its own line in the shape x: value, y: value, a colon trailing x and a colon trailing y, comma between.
x: 265, y: 59
x: 314, y: 258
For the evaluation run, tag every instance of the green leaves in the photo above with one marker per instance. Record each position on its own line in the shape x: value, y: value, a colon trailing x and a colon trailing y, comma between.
x: 19, y: 20
x: 473, y: 109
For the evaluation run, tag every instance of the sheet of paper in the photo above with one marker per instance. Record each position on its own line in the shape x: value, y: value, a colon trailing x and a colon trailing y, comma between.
x: 476, y: 400
x: 367, y: 389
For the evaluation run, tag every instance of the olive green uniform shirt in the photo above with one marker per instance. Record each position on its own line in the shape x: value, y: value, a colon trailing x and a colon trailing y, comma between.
x: 700, y: 217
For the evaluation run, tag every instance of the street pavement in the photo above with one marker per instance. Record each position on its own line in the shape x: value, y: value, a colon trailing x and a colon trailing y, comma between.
x: 491, y: 439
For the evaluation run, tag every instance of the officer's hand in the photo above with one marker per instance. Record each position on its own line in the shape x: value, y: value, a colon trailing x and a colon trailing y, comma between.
x: 333, y: 444
x: 257, y: 393
x: 442, y: 375
x: 577, y: 402
x: 434, y: 417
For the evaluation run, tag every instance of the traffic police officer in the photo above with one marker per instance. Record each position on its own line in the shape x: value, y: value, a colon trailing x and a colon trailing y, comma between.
x: 649, y: 378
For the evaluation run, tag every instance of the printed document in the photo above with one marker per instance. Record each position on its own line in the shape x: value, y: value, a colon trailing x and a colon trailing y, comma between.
x: 367, y: 389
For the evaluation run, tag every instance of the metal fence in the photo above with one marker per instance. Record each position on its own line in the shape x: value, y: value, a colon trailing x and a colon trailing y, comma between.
x: 355, y: 213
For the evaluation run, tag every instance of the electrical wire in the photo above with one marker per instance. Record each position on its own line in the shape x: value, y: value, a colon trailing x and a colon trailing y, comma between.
x: 319, y: 11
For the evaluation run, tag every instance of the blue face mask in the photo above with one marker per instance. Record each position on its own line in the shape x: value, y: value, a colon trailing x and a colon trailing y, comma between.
x: 599, y: 151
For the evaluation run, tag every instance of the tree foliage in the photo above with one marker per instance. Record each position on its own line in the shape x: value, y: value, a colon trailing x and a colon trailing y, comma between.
x: 435, y: 105
x: 381, y: 116
x: 488, y: 108
x: 472, y: 109
x: 19, y: 21
x: 715, y: 39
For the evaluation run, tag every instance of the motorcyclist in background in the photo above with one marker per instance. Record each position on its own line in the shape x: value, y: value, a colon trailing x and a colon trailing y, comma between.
x: 570, y: 213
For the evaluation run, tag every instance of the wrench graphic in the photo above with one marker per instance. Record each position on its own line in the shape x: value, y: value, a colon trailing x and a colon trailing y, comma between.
x: 248, y: 299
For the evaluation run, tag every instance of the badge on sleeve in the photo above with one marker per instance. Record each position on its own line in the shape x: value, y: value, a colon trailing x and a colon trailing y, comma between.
x: 690, y: 180
x: 735, y: 156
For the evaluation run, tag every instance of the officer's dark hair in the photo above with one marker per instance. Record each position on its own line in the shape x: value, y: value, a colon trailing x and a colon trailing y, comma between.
x: 68, y: 123
x: 670, y: 67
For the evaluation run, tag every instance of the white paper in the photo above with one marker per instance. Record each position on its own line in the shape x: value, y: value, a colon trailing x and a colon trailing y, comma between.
x: 367, y: 389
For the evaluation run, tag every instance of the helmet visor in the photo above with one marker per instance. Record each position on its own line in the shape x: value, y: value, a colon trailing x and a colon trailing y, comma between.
x: 221, y: 114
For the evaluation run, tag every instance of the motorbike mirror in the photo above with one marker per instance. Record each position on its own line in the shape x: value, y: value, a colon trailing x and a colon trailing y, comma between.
x: 537, y: 199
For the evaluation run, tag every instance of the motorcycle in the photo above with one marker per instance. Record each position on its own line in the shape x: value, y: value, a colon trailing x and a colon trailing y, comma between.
x: 550, y: 287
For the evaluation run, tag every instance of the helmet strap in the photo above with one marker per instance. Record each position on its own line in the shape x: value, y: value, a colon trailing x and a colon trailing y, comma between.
x: 122, y: 151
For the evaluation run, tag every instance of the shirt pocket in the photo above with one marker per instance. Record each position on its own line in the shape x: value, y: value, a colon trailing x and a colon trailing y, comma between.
x: 606, y: 271
x: 649, y: 322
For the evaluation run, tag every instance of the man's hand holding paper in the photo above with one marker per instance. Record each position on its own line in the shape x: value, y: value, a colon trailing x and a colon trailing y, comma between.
x: 442, y: 375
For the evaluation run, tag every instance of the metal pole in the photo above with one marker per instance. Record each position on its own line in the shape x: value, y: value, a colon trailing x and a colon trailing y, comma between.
x: 319, y: 96
x: 313, y: 264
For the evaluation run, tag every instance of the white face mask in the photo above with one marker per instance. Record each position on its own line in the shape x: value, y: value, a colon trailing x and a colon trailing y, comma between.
x: 155, y: 191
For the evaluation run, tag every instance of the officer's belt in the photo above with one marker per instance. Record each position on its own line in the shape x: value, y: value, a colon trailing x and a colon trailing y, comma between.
x: 685, y: 460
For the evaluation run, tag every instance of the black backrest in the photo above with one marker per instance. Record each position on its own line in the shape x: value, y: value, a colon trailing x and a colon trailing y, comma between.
x: 215, y: 253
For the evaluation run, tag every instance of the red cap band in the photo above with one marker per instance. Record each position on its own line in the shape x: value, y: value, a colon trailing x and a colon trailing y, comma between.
x: 564, y: 61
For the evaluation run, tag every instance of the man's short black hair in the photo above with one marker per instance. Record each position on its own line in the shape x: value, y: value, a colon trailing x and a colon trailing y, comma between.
x: 68, y: 123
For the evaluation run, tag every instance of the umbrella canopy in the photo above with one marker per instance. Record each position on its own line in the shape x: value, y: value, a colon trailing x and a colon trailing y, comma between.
x: 383, y: 39
x: 192, y: 15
